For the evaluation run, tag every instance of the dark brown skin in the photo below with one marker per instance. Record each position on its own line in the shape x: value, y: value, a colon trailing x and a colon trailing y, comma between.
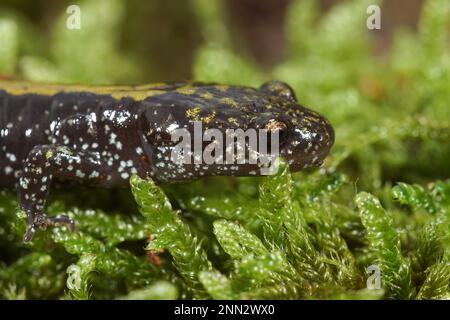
x: 102, y: 135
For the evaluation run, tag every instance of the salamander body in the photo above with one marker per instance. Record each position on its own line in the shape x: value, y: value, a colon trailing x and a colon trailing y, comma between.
x: 101, y: 136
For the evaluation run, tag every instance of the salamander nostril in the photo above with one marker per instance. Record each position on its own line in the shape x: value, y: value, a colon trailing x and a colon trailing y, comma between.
x: 325, y: 137
x: 329, y: 133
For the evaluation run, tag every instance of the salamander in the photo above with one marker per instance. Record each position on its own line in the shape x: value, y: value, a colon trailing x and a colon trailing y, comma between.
x: 100, y: 136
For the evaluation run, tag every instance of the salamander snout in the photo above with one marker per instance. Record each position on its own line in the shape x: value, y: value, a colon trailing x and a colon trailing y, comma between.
x: 309, y: 141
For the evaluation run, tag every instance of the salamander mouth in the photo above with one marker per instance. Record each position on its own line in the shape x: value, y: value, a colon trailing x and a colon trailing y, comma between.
x: 309, y: 161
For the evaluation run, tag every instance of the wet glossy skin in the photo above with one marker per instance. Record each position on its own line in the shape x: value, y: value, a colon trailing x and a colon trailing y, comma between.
x: 102, y: 135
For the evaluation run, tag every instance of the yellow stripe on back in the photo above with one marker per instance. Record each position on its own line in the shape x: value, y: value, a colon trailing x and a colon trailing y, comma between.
x: 139, y: 92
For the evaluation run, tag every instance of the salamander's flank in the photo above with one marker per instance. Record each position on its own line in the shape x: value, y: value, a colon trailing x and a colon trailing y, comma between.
x: 100, y: 136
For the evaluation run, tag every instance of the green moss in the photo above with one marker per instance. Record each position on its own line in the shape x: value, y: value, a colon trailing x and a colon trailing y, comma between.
x: 383, y: 197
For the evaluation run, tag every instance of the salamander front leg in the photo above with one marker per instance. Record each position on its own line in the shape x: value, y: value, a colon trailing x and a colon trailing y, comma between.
x: 43, y: 164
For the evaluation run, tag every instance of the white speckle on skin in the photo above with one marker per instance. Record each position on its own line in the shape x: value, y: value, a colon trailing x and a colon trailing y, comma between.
x: 11, y: 157
x: 112, y: 138
x: 94, y: 174
x: 80, y: 174
x: 8, y: 170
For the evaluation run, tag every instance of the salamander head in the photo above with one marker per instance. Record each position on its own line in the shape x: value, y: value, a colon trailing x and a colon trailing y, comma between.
x: 305, y: 137
x: 206, y: 111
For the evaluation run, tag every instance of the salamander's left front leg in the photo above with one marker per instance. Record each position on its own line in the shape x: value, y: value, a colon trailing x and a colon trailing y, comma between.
x: 43, y: 164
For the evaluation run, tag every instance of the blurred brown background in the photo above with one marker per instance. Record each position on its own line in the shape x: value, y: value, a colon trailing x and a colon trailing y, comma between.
x: 261, y: 23
x: 257, y: 26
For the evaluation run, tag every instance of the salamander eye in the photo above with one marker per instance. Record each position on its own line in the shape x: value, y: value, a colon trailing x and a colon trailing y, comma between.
x: 277, y: 125
x: 279, y: 89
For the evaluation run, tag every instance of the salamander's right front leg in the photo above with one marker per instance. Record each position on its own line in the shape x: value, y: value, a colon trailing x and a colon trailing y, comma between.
x: 43, y: 164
